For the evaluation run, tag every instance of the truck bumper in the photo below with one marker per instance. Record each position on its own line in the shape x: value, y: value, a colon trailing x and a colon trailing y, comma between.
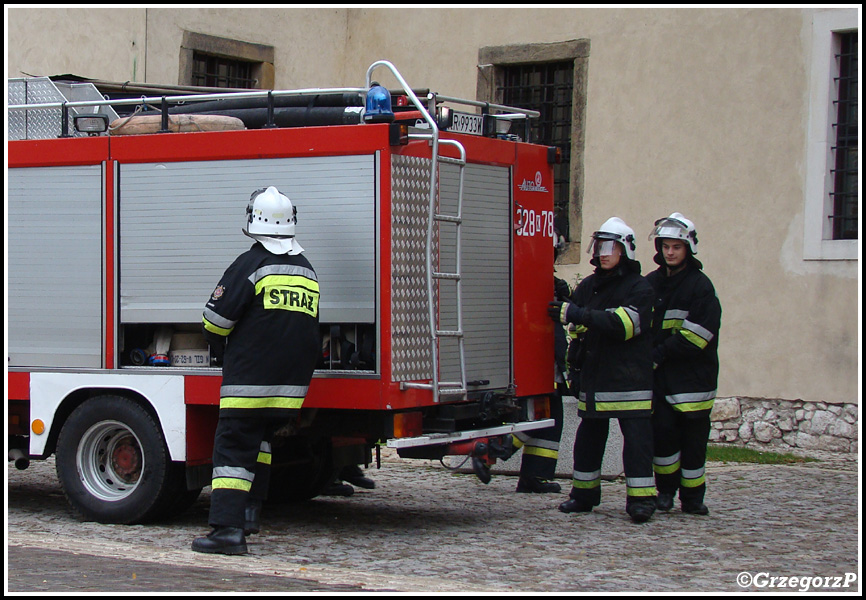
x: 434, y: 439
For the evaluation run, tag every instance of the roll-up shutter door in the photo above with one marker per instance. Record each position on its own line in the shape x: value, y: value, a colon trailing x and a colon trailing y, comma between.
x: 55, y: 271
x: 486, y: 270
x: 180, y: 228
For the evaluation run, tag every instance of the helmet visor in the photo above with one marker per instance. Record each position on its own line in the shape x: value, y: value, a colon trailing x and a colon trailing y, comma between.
x: 669, y: 228
x: 601, y: 248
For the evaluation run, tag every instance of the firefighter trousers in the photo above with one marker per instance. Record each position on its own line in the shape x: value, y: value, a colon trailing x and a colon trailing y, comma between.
x: 241, y: 467
x: 637, y: 456
x: 541, y: 446
x: 680, y: 451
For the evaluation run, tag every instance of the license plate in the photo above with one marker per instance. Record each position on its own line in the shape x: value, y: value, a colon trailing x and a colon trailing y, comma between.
x: 467, y: 123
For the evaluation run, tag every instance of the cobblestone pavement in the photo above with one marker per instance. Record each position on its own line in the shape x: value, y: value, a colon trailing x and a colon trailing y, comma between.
x: 425, y: 529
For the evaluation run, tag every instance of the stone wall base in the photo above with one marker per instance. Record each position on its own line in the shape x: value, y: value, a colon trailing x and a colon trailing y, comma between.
x: 779, y: 425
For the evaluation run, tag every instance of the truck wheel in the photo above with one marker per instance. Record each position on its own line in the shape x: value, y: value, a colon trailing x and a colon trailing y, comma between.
x: 113, y: 463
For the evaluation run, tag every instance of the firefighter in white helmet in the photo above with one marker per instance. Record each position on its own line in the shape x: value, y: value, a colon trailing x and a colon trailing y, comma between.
x: 612, y: 309
x: 686, y: 319
x: 263, y: 316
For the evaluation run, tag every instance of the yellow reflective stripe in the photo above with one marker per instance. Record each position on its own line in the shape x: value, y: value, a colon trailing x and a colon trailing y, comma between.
x: 563, y: 311
x: 264, y: 458
x: 536, y: 451
x: 694, y: 406
x: 642, y: 491
x: 672, y: 324
x: 626, y: 322
x: 231, y: 483
x: 693, y: 482
x: 586, y: 480
x: 576, y: 330
x: 666, y: 469
x: 214, y: 329
x: 692, y: 401
x: 252, y: 403
x: 609, y: 406
x: 581, y: 405
x: 694, y: 338
x: 518, y: 443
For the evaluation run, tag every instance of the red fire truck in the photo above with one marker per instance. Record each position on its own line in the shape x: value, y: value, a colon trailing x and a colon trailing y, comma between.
x: 430, y: 231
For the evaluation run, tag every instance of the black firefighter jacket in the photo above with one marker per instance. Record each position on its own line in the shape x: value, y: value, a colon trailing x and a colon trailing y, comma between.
x: 267, y: 307
x: 686, y: 319
x: 615, y: 356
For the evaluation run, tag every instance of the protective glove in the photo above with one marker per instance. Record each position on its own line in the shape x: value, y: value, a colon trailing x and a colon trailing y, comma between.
x: 217, y: 344
x: 565, y: 312
x: 561, y: 291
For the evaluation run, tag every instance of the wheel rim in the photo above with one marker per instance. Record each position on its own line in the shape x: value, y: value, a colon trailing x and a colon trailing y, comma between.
x: 110, y: 460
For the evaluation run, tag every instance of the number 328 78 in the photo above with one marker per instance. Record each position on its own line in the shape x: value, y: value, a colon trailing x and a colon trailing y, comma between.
x: 531, y: 223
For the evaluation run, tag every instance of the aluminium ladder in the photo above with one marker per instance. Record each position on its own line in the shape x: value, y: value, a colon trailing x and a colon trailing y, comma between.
x: 451, y: 389
x: 440, y: 389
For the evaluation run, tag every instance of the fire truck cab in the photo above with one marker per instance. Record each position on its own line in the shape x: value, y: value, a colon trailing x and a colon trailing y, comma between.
x: 431, y: 234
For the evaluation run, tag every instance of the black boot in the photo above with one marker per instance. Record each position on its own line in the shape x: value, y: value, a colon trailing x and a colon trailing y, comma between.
x: 695, y: 508
x: 665, y: 501
x: 354, y: 475
x: 573, y: 506
x: 251, y: 517
x: 534, y: 485
x: 642, y: 510
x: 222, y: 540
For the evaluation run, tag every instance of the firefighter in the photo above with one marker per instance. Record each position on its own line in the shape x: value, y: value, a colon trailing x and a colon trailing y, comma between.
x: 686, y: 319
x: 612, y: 309
x: 541, y: 447
x: 263, y: 317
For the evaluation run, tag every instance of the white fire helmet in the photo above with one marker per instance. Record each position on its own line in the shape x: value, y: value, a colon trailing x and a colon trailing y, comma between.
x: 271, y: 220
x: 612, y: 230
x: 676, y: 227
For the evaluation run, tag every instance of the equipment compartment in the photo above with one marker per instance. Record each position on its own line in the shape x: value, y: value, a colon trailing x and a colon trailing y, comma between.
x: 345, y: 347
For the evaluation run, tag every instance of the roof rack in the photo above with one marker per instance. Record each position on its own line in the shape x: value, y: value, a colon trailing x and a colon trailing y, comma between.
x: 268, y: 102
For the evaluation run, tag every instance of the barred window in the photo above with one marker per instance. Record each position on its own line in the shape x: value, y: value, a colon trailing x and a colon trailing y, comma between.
x: 547, y: 88
x: 216, y: 62
x: 846, y: 148
x: 552, y: 79
x: 831, y: 191
x: 218, y: 71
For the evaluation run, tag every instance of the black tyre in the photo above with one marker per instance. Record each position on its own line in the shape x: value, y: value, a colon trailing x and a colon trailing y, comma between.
x: 113, y: 463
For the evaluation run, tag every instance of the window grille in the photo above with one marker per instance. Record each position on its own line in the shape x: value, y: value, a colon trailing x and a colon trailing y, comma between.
x: 217, y: 71
x: 846, y: 149
x: 547, y: 88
